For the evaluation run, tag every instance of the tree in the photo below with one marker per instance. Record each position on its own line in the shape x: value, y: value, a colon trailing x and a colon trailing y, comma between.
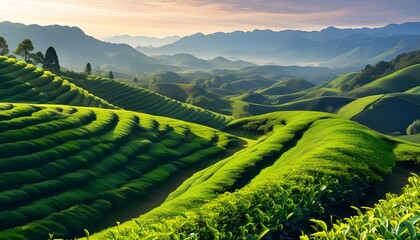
x: 88, y: 69
x: 135, y: 80
x: 4, y: 48
x: 51, y: 61
x: 111, y: 75
x: 24, y: 49
x: 36, y: 58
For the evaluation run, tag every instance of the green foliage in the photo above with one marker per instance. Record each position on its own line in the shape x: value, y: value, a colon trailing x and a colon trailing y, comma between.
x: 36, y: 58
x: 24, y: 48
x: 21, y: 82
x: 88, y: 69
x: 382, y: 68
x: 111, y: 75
x: 306, y: 165
x: 63, y: 168
x: 51, y: 62
x: 3, y: 46
x: 139, y: 99
x: 413, y: 128
x: 396, y: 217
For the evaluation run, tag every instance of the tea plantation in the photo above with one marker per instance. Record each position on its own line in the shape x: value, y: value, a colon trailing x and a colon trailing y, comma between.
x: 142, y: 100
x: 306, y: 165
x: 63, y: 168
x: 75, y: 151
x: 22, y: 82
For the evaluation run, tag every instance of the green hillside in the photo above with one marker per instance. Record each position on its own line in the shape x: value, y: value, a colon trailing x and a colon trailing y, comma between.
x: 399, y: 81
x: 323, y: 104
x: 142, y: 100
x: 339, y: 83
x: 388, y: 113
x: 304, y: 165
x: 22, y: 82
x: 64, y: 168
x: 287, y: 87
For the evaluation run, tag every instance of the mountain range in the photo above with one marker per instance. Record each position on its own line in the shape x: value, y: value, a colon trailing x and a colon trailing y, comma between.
x: 142, y: 41
x: 331, y: 47
x: 348, y: 49
x: 75, y: 49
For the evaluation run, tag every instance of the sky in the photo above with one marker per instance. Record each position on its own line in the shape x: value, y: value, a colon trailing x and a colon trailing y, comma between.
x: 159, y: 18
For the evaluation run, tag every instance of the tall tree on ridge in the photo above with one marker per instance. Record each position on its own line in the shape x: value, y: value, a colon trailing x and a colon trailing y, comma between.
x: 88, y: 69
x: 51, y: 61
x: 111, y: 75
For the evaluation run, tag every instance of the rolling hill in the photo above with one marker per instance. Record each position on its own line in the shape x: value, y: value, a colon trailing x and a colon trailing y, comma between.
x: 63, y: 168
x: 304, y: 163
x: 399, y: 81
x: 22, y: 82
x: 142, y: 100
x: 386, y: 113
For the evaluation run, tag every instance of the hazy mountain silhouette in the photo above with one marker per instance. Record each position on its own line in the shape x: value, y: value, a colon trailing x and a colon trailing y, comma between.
x: 330, y: 47
x: 142, y: 41
x: 75, y: 49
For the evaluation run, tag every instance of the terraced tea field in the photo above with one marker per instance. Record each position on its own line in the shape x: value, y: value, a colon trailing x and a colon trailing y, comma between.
x: 63, y: 168
x: 305, y: 165
x: 142, y: 100
x: 22, y: 82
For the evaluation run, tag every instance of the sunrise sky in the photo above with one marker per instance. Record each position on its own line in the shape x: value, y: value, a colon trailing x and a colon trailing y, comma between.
x: 160, y: 18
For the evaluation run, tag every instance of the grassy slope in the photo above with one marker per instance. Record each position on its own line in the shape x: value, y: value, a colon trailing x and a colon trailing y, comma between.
x: 398, y: 81
x: 338, y: 83
x: 286, y: 87
x: 325, y: 104
x: 386, y: 113
x: 275, y: 178
x: 63, y: 168
x: 412, y: 138
x: 179, y: 92
x: 142, y: 100
x: 22, y: 82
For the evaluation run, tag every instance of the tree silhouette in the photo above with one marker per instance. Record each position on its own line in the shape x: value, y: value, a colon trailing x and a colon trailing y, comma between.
x: 135, y: 80
x: 24, y: 48
x: 111, y: 75
x: 88, y: 69
x: 36, y: 58
x: 3, y: 46
x: 51, y: 61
